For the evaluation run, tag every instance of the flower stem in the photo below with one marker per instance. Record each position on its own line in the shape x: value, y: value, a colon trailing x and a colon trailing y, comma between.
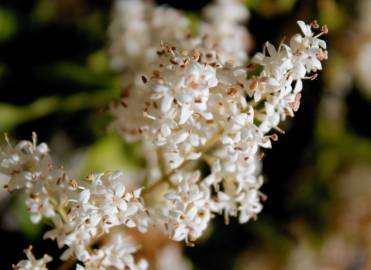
x: 203, y: 149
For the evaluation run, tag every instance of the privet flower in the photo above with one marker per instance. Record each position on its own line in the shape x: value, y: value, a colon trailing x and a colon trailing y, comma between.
x: 32, y: 263
x: 192, y: 100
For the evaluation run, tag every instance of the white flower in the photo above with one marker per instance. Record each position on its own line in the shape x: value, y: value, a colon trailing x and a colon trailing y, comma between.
x: 118, y: 253
x: 32, y: 263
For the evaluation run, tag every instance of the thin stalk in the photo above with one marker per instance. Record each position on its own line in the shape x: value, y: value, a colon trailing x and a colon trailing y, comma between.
x: 203, y: 149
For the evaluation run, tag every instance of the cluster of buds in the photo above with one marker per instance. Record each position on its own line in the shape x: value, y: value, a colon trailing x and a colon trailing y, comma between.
x: 192, y: 100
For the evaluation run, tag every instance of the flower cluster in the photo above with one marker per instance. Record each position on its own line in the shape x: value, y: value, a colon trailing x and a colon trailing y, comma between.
x: 138, y: 27
x: 102, y: 204
x: 195, y: 110
x: 80, y: 211
x: 29, y: 167
x: 116, y: 253
x: 137, y: 30
x: 192, y: 99
x: 225, y: 32
x: 32, y: 263
x: 361, y: 56
x: 189, y: 212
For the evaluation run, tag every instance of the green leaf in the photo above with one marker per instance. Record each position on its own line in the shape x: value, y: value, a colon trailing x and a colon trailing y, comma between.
x: 44, y: 11
x: 8, y: 24
x: 111, y: 153
x: 12, y: 115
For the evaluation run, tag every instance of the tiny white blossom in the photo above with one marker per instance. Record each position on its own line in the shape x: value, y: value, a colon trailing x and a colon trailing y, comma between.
x: 32, y: 263
x: 117, y: 253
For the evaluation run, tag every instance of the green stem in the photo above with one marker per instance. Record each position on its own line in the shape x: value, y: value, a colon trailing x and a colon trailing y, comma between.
x: 203, y: 149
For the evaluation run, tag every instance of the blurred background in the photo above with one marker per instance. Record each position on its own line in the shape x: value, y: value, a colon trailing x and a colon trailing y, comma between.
x: 55, y: 79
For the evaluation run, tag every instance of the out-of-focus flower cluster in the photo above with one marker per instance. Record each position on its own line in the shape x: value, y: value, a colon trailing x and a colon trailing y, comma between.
x: 191, y: 96
x: 346, y: 245
x: 363, y: 57
x: 352, y: 54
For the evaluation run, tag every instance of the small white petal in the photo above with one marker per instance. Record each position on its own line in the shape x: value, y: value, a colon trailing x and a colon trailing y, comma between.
x: 166, y: 104
x: 184, y: 115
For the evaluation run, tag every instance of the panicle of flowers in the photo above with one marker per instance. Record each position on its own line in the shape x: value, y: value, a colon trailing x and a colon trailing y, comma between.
x: 280, y: 83
x: 138, y: 28
x: 276, y: 90
x: 82, y: 211
x: 195, y: 109
x: 191, y: 99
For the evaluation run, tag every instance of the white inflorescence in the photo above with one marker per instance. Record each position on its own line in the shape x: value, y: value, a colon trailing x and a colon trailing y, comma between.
x: 195, y: 110
x: 80, y: 211
x: 192, y: 99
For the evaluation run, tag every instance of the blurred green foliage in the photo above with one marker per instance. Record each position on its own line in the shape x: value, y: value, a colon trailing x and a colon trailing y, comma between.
x: 8, y: 24
x: 21, y: 219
